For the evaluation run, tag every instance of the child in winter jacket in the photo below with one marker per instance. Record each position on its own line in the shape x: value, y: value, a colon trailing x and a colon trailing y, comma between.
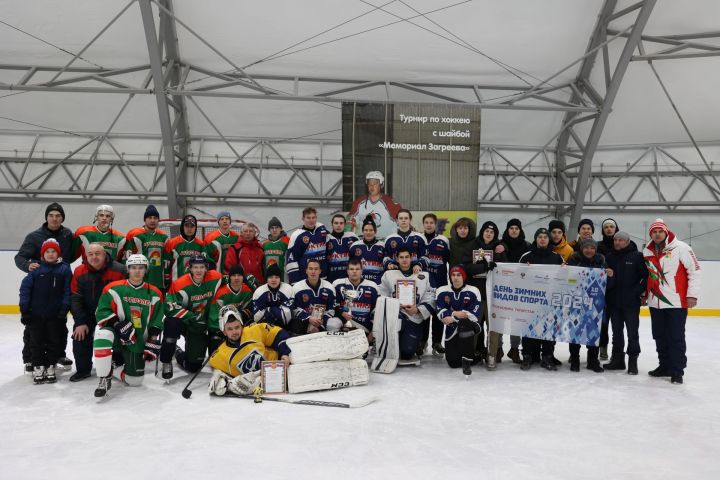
x: 44, y: 304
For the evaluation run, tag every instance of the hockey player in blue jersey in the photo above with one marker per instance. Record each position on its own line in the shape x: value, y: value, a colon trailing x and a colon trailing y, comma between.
x: 273, y: 303
x: 314, y: 302
x: 337, y: 248
x: 406, y: 238
x: 411, y: 316
x: 355, y: 299
x: 458, y: 307
x: 306, y: 243
x: 370, y: 251
x: 437, y: 254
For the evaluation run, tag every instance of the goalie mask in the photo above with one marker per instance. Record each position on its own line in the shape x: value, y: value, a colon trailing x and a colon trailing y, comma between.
x: 229, y: 313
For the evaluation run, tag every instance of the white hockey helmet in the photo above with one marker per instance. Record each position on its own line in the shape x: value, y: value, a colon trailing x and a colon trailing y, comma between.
x: 105, y: 208
x: 226, y: 313
x: 136, y: 259
x: 375, y: 175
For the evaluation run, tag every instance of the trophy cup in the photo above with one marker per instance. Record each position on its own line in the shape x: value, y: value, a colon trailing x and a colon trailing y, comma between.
x: 349, y: 296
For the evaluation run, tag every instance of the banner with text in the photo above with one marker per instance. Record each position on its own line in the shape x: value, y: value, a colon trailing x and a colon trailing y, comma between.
x: 548, y: 302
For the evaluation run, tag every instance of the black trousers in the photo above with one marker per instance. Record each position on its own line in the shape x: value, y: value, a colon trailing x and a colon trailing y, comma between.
x: 462, y: 344
x: 26, y: 344
x: 437, y: 329
x: 83, y: 351
x: 592, y: 353
x: 621, y: 318
x: 668, y: 330
x: 536, y: 348
x: 47, y: 340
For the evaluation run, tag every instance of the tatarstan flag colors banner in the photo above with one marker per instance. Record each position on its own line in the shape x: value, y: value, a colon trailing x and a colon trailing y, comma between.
x: 547, y: 302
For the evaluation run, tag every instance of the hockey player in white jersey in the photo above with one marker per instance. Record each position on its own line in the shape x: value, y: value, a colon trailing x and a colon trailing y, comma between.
x: 411, y: 315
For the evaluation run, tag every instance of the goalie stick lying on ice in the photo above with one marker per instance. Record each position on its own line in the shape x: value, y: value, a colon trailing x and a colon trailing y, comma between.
x: 320, y: 361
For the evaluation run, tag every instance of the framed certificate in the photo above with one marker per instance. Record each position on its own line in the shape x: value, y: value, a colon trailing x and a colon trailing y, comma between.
x: 479, y: 254
x: 274, y: 376
x: 405, y: 290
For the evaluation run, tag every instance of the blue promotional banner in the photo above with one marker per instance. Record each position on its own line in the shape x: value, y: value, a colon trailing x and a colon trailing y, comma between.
x: 548, y: 302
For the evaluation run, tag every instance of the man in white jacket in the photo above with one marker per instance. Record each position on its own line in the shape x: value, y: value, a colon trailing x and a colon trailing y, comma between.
x: 673, y: 286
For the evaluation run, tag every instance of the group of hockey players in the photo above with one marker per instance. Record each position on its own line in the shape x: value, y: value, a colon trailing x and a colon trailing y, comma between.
x: 323, y: 296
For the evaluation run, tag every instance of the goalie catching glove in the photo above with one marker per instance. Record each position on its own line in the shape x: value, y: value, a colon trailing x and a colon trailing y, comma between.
x: 245, y: 384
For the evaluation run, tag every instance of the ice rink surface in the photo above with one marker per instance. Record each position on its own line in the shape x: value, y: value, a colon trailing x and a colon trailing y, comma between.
x: 428, y: 423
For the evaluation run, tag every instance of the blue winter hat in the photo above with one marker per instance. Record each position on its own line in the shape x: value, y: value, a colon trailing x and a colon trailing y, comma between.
x: 151, y: 211
x: 224, y: 213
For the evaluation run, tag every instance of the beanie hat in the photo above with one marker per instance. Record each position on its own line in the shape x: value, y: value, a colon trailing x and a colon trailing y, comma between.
x: 223, y: 213
x: 586, y: 221
x: 622, y: 236
x: 274, y: 222
x: 658, y: 223
x: 55, y: 207
x: 514, y: 222
x: 491, y: 225
x: 541, y: 231
x: 48, y: 244
x: 588, y: 242
x: 460, y: 270
x: 151, y: 211
x: 273, y: 271
x: 369, y: 221
x: 610, y: 221
x: 556, y: 224
x: 236, y: 269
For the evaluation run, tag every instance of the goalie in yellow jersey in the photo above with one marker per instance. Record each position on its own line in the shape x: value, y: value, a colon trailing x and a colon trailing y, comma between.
x: 320, y: 361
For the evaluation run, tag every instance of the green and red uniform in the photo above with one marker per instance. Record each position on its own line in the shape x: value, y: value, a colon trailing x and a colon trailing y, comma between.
x: 217, y: 245
x: 179, y: 252
x: 111, y: 240
x: 274, y: 252
x: 152, y: 245
x: 122, y: 301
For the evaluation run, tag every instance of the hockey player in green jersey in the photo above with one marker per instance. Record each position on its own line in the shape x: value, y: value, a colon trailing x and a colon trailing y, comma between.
x: 101, y: 232
x: 219, y: 241
x: 182, y: 247
x: 127, y: 311
x: 150, y: 241
x: 275, y: 246
x: 187, y: 308
x: 236, y: 293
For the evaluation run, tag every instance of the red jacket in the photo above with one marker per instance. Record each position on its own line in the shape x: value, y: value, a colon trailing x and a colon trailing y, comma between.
x: 249, y: 255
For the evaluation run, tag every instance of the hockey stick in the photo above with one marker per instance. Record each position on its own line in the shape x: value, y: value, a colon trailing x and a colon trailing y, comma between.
x: 186, y: 391
x: 317, y: 403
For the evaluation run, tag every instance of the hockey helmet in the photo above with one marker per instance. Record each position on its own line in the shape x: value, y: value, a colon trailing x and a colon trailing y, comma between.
x: 136, y: 259
x: 375, y: 175
x: 229, y: 312
x: 105, y: 208
x: 197, y: 259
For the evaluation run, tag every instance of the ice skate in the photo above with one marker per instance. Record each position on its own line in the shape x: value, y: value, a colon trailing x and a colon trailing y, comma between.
x: 103, y: 386
x: 50, y: 374
x: 38, y: 375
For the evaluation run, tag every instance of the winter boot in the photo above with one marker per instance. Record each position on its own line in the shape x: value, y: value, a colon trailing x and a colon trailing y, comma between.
x: 78, y: 376
x: 50, y: 374
x: 676, y: 378
x: 555, y: 361
x: 632, y: 365
x: 437, y: 349
x: 617, y: 362
x: 421, y: 349
x: 65, y: 363
x: 526, y: 362
x: 500, y: 355
x: 491, y: 363
x: 514, y: 355
x: 28, y: 368
x: 547, y: 363
x: 659, y: 372
x: 466, y: 366
x: 594, y: 365
x: 167, y: 371
x: 38, y: 375
x: 104, y: 386
x: 575, y: 363
x: 603, y: 353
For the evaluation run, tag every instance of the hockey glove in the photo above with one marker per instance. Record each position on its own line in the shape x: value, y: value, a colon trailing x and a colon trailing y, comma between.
x: 219, y: 383
x: 152, y: 345
x: 216, y: 339
x: 125, y: 331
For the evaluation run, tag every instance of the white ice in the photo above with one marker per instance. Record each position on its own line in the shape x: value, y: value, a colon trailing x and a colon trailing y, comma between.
x: 428, y: 422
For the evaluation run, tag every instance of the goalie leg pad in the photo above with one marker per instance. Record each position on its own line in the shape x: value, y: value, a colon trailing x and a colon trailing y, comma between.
x: 325, y: 346
x: 307, y: 377
x: 386, y: 325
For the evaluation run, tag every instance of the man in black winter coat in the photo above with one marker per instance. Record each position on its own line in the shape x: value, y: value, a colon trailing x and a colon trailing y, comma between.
x: 28, y: 259
x: 514, y: 245
x: 588, y: 257
x: 624, y: 299
x: 534, y: 350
